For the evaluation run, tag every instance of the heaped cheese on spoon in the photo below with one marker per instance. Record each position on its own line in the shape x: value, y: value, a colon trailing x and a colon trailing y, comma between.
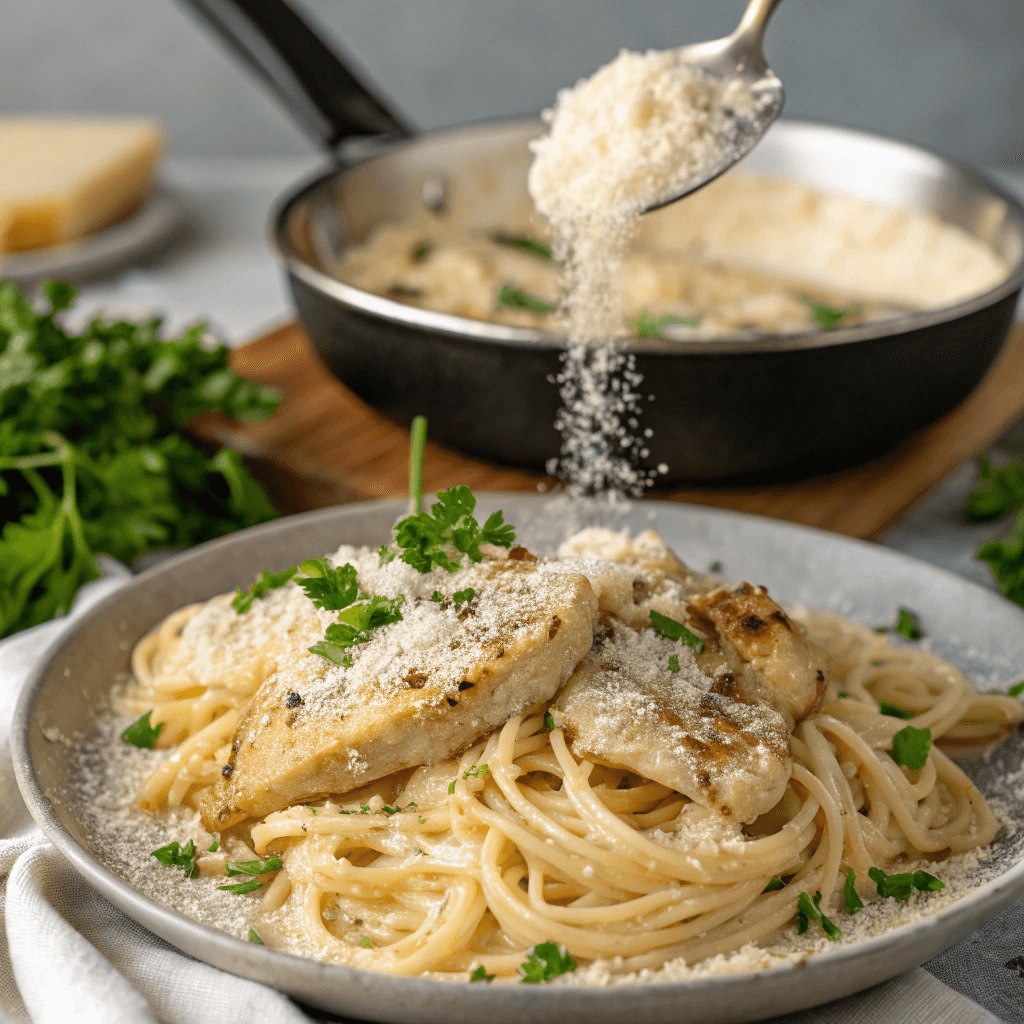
x: 63, y: 178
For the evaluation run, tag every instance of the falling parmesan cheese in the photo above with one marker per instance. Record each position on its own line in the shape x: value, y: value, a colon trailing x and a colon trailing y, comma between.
x: 64, y: 178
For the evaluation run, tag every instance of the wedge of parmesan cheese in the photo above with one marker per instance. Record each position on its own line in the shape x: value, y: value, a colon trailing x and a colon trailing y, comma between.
x: 62, y: 178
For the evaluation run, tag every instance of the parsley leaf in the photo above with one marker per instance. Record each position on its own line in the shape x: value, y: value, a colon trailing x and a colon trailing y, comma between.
x: 329, y: 588
x: 253, y: 937
x: 141, y: 734
x: 266, y: 580
x: 527, y: 244
x: 367, y: 943
x: 910, y: 747
x: 774, y: 885
x: 901, y: 886
x: 906, y: 625
x: 512, y: 298
x: 174, y: 855
x: 999, y: 491
x: 545, y: 961
x: 672, y: 630
x: 850, y: 895
x: 549, y: 722
x: 673, y: 663
x: 480, y: 974
x: 828, y: 318
x: 893, y: 710
x: 1016, y: 690
x: 252, y: 867
x: 429, y: 540
x: 421, y: 252
x: 356, y: 625
x: 461, y: 597
x: 241, y: 888
x: 648, y: 326
x: 808, y: 911
x: 1005, y: 557
x: 213, y: 847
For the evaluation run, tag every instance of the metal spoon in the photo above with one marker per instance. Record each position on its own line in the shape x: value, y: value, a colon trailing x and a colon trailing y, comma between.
x: 736, y: 57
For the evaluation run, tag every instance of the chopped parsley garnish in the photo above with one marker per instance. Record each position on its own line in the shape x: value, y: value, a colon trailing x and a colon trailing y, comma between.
x: 648, y: 326
x: 1005, y: 557
x: 673, y: 663
x: 243, y: 599
x: 527, y: 244
x: 141, y: 734
x: 174, y: 855
x: 423, y: 821
x: 451, y: 786
x: 253, y: 937
x: 252, y: 867
x: 241, y: 888
x: 421, y: 252
x: 213, y: 847
x: 910, y: 747
x: 715, y: 567
x: 437, y: 596
x: 906, y: 625
x: 367, y: 943
x: 1016, y: 690
x: 545, y: 961
x: 480, y: 974
x: 807, y: 911
x: 842, y: 694
x: 438, y: 538
x: 475, y: 772
x: 549, y: 722
x: 893, y: 710
x: 998, y: 492
x: 461, y: 597
x: 389, y: 810
x: 900, y: 887
x: 851, y: 898
x: 356, y: 625
x: 672, y: 630
x: 828, y: 318
x: 774, y: 885
x: 512, y: 298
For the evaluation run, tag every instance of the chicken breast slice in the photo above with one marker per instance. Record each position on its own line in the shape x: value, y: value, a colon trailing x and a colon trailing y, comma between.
x: 625, y: 708
x: 753, y: 650
x: 756, y: 653
x: 417, y: 692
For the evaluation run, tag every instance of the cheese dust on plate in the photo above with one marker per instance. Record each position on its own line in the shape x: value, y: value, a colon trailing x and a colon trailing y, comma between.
x: 619, y: 141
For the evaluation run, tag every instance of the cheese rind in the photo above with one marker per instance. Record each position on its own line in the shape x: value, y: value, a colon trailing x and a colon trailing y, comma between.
x: 63, y: 178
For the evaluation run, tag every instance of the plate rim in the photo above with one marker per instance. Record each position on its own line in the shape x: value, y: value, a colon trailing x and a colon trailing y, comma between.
x: 412, y: 995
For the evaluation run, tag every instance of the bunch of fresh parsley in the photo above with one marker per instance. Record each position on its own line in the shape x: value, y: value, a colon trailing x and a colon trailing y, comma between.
x: 93, y: 457
x: 999, y: 492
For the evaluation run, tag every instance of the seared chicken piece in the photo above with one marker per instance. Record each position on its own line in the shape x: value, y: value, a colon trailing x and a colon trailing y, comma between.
x: 417, y: 692
x: 624, y: 707
x: 631, y: 575
x: 752, y: 648
x: 756, y: 652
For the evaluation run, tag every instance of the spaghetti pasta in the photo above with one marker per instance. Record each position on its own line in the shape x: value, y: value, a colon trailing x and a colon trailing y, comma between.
x: 520, y: 840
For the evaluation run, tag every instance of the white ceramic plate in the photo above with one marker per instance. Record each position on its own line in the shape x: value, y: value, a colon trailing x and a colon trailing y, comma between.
x: 970, y: 626
x: 106, y: 250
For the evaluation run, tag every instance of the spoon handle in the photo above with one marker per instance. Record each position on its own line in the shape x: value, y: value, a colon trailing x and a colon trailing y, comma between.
x: 754, y: 22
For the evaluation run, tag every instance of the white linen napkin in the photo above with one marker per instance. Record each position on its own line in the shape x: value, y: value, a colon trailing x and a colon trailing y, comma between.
x: 67, y: 956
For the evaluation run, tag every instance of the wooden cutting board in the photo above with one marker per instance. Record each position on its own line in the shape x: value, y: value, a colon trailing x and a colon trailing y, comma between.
x: 325, y: 446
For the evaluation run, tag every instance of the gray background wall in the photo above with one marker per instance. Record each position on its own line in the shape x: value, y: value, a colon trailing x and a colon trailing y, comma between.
x: 948, y: 73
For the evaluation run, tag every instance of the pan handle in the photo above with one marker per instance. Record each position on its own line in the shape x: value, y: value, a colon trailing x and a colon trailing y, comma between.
x: 327, y: 99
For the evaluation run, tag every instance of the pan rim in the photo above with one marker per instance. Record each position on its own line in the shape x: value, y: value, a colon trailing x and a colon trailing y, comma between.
x: 468, y: 330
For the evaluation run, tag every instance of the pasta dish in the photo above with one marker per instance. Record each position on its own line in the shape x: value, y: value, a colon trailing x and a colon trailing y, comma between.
x: 454, y: 758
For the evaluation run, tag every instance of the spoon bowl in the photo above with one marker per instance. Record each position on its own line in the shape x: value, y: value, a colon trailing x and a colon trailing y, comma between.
x: 736, y: 58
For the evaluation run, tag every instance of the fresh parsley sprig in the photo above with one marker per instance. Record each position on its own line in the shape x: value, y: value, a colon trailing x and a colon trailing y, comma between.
x: 439, y: 538
x: 267, y: 580
x: 93, y: 457
x: 547, y: 960
x: 828, y: 318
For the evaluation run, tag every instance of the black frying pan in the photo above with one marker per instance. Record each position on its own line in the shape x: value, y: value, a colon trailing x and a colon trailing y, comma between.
x: 728, y: 409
